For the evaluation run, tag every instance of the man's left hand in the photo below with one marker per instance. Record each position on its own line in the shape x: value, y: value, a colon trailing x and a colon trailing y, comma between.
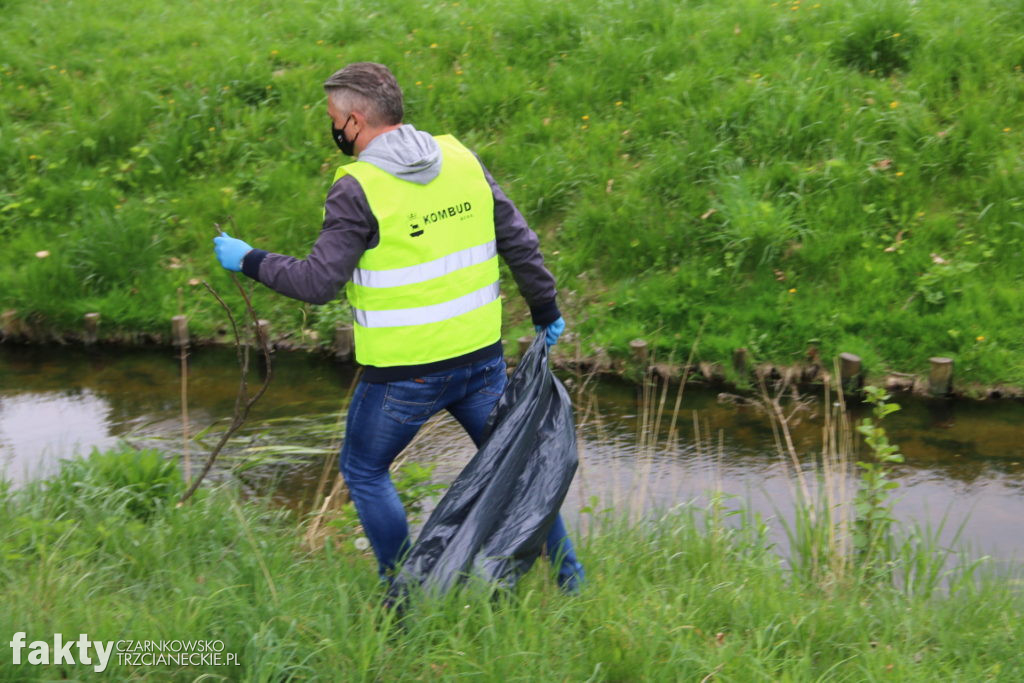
x: 230, y: 251
x: 554, y: 330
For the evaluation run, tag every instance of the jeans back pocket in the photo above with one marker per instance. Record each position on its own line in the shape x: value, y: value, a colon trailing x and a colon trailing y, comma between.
x: 413, y: 401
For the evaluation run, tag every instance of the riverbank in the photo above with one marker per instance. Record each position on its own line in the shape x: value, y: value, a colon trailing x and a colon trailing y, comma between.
x: 742, y: 376
x: 100, y: 549
x: 796, y: 175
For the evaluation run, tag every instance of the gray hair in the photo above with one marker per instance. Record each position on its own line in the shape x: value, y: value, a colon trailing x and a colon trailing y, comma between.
x: 370, y: 88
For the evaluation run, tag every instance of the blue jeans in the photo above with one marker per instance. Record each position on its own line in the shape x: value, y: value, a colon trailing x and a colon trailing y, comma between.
x: 382, y: 420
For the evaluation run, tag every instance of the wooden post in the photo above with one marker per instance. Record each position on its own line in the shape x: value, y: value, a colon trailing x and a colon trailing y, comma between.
x: 179, y: 330
x: 709, y: 371
x: 524, y: 344
x: 940, y: 378
x: 92, y: 324
x: 849, y: 372
x: 639, y: 349
x: 264, y: 330
x: 739, y: 362
x: 9, y: 324
x: 344, y: 342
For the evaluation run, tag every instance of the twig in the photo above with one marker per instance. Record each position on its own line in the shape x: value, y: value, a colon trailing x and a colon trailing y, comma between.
x: 184, y: 402
x: 332, y: 456
x: 242, y: 401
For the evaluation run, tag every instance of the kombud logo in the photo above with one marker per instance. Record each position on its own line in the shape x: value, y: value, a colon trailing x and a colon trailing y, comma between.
x: 90, y: 652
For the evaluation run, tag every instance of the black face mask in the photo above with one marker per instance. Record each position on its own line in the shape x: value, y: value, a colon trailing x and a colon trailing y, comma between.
x: 347, y: 147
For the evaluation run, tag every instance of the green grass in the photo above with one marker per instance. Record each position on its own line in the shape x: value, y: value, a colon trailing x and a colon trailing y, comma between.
x: 683, y: 597
x: 843, y: 174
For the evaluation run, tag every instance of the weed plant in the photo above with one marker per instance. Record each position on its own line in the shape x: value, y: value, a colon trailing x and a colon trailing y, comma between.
x: 839, y: 173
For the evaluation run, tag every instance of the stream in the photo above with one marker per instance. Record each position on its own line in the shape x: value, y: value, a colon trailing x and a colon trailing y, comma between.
x: 964, y: 468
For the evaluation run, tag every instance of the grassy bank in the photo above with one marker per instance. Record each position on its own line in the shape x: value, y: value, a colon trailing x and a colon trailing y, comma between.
x: 841, y: 174
x: 101, y: 550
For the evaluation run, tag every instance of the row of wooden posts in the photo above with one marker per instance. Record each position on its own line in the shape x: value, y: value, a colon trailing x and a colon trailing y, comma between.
x: 940, y: 376
x: 11, y: 328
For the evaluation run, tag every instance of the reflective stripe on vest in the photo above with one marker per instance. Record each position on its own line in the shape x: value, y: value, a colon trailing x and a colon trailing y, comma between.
x: 410, y: 275
x: 429, y: 290
x: 423, y: 315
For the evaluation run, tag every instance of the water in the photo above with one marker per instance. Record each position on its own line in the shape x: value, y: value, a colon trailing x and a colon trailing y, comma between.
x: 964, y: 461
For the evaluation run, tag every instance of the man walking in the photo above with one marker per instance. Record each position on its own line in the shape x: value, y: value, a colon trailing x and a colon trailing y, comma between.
x: 413, y: 230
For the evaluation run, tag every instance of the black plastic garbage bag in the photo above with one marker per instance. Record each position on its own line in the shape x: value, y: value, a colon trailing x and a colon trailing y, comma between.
x: 495, y: 517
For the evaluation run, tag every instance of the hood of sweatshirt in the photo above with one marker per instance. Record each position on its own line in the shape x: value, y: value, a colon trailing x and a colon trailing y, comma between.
x: 405, y: 153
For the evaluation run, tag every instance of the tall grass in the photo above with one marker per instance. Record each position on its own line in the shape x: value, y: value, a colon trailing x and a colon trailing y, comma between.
x: 683, y: 596
x: 842, y: 172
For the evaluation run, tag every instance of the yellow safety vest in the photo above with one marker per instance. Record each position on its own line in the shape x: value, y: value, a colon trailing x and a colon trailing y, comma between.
x: 429, y: 290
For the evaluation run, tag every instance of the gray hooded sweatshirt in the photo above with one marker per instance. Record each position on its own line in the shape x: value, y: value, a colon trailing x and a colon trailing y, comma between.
x: 350, y: 228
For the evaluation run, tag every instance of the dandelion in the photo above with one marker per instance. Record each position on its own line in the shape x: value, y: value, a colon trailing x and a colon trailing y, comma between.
x: 896, y: 35
x: 42, y: 254
x: 212, y: 128
x: 419, y: 82
x: 274, y: 53
x: 433, y: 46
x: 319, y: 42
x: 980, y: 338
x: 585, y: 117
x: 53, y: 67
x: 899, y: 174
x: 618, y: 103
x: 792, y: 290
x: 1007, y: 129
x: 33, y: 157
x: 893, y: 104
x: 362, y: 543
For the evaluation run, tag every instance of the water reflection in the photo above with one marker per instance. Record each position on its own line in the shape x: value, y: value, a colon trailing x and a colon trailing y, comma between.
x: 963, y: 460
x: 37, y: 429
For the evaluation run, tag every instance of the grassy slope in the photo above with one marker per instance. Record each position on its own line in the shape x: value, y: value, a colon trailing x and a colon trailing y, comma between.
x: 839, y: 173
x: 101, y: 550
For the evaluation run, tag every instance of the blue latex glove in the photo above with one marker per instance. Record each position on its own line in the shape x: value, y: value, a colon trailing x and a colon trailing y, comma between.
x: 230, y: 251
x: 554, y: 330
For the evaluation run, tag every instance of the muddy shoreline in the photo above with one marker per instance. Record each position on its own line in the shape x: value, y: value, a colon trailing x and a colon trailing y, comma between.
x: 807, y: 377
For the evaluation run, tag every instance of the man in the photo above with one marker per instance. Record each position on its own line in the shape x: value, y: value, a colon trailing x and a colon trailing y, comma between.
x: 412, y: 229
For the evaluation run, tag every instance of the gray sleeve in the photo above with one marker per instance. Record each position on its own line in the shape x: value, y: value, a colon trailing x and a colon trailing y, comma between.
x: 520, y: 248
x: 349, y: 229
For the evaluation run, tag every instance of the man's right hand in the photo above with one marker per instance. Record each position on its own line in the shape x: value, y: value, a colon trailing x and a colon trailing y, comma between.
x: 553, y: 331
